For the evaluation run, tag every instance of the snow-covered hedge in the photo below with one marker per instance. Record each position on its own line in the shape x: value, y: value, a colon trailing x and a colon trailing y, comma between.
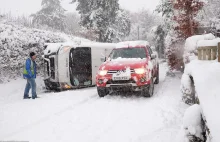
x: 188, y: 89
x: 206, y: 79
x: 193, y: 124
x: 17, y: 42
x: 193, y: 129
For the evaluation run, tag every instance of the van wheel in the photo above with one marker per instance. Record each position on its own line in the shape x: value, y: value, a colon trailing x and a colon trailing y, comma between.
x: 157, y: 77
x: 148, y: 91
x: 102, y: 92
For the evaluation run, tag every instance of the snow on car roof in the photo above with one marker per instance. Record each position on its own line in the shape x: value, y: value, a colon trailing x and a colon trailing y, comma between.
x: 128, y: 59
x: 132, y: 44
x: 191, y: 42
x: 213, y: 42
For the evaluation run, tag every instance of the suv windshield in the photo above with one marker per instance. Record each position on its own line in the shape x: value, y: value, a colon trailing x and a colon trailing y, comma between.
x: 128, y: 53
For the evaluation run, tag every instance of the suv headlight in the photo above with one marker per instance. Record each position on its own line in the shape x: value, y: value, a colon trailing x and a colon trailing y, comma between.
x: 103, y: 72
x: 140, y: 71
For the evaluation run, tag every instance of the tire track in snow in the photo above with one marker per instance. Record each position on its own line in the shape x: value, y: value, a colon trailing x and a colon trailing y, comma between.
x: 159, y: 90
x: 117, y: 122
x: 172, y: 115
x: 46, y: 118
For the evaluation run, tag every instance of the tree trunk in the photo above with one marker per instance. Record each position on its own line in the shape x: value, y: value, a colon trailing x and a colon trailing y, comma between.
x: 100, y: 36
x: 191, y: 25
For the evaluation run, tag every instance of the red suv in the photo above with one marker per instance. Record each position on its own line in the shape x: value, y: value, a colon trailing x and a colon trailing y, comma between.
x: 131, y: 66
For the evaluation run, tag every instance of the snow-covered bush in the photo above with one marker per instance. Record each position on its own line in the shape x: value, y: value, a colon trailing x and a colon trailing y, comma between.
x: 193, y: 129
x: 188, y: 89
x: 17, y: 42
x: 174, y: 52
x: 193, y: 124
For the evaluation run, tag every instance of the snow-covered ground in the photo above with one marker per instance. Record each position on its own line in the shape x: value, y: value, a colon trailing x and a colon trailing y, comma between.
x: 81, y: 116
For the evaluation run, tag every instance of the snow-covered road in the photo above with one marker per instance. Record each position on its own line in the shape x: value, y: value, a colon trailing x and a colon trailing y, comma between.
x: 81, y: 116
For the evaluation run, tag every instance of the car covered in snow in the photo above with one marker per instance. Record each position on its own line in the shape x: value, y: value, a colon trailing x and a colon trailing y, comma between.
x: 131, y: 66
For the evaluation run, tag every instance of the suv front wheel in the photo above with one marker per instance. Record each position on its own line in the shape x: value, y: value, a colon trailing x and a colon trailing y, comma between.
x: 102, y: 92
x: 148, y: 91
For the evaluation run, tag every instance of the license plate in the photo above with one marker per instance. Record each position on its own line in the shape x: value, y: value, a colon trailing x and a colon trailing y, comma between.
x: 121, y: 78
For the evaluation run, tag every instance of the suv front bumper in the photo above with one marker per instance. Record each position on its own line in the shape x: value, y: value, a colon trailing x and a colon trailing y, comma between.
x: 136, y: 82
x: 125, y: 88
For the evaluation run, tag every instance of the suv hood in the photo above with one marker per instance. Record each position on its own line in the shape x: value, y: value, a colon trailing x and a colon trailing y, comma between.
x: 123, y: 63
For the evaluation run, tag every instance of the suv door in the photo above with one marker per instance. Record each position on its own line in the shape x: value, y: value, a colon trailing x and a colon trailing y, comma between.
x: 153, y: 60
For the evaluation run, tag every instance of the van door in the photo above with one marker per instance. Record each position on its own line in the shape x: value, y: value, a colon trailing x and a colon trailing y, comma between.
x: 97, y: 55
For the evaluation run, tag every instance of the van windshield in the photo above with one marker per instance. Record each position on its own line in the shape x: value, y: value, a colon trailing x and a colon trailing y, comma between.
x: 128, y: 53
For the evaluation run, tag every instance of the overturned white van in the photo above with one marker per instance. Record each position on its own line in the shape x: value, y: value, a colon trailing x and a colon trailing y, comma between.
x: 70, y: 65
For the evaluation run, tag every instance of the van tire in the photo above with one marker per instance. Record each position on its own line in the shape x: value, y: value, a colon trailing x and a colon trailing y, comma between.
x: 102, y: 92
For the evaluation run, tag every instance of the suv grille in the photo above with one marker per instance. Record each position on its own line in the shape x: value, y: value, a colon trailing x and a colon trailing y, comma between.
x: 120, y: 81
x: 115, y: 71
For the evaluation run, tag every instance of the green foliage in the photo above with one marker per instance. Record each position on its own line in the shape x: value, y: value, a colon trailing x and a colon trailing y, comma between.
x: 104, y: 18
x: 51, y: 15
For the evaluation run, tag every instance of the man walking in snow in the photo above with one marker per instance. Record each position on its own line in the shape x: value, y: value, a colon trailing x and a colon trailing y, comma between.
x: 29, y: 73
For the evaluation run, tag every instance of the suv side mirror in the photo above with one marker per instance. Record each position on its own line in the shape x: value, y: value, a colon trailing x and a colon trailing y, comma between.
x: 103, y: 59
x: 153, y: 56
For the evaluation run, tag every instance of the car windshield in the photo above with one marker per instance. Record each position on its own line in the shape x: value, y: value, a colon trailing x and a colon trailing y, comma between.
x: 128, y: 53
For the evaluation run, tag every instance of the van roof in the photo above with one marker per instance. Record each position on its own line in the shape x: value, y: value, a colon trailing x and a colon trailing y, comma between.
x: 138, y: 43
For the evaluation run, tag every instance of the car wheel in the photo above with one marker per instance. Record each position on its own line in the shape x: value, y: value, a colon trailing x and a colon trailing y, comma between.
x: 102, y: 92
x: 148, y: 91
x: 157, y: 77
